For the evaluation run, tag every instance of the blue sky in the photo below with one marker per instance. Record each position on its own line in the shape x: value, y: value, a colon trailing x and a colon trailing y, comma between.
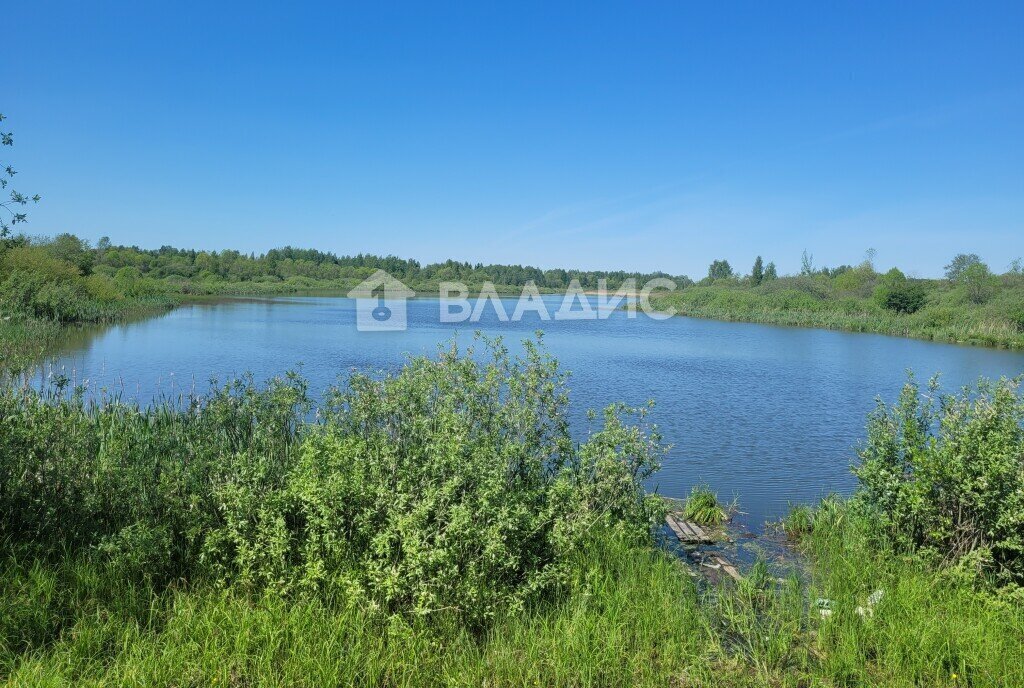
x: 636, y: 135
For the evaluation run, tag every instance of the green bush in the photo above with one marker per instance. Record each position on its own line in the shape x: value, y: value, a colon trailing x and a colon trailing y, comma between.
x: 1016, y: 317
x: 59, y: 299
x: 978, y: 283
x: 896, y: 293
x: 102, y: 288
x: 856, y: 281
x: 75, y: 476
x: 38, y: 262
x: 451, y: 487
x: 944, y: 475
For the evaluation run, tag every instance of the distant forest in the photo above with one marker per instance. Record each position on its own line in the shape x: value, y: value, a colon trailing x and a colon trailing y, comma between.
x: 288, y: 263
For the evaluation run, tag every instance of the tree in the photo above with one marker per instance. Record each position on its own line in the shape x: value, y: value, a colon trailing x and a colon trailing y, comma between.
x: 869, y: 259
x: 959, y: 265
x: 806, y: 263
x: 896, y: 293
x: 13, y: 215
x: 757, y: 272
x: 770, y: 272
x: 71, y: 249
x: 978, y: 282
x: 720, y: 269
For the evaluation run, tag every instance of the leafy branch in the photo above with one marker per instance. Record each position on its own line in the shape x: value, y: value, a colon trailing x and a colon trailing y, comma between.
x: 16, y: 199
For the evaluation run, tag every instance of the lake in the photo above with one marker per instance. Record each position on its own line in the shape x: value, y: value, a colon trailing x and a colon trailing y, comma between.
x: 769, y: 415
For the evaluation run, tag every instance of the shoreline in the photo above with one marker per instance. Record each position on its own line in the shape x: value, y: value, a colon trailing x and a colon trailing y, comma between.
x: 968, y: 334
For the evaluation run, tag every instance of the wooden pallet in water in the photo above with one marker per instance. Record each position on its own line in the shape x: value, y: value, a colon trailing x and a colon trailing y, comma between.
x: 691, y: 533
x: 688, y: 532
x: 725, y: 565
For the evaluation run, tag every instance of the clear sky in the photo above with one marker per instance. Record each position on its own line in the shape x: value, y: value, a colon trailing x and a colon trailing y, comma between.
x: 636, y: 135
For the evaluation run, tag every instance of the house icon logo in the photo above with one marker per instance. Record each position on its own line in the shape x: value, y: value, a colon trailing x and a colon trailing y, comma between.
x: 380, y: 303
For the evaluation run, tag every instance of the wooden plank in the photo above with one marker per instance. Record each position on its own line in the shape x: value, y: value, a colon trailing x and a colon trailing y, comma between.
x: 727, y: 567
x: 699, y: 533
x: 688, y: 531
x: 687, y: 528
x: 674, y: 525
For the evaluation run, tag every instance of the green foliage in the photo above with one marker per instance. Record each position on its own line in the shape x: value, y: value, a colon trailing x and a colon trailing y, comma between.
x: 436, y: 527
x: 473, y: 512
x: 451, y: 487
x: 960, y: 264
x: 856, y: 299
x: 978, y: 283
x: 235, y: 272
x: 65, y: 280
x: 806, y: 264
x: 702, y: 506
x: 10, y: 210
x: 24, y: 340
x: 844, y: 299
x: 757, y: 272
x: 770, y: 272
x: 945, y: 474
x: 891, y: 619
x: 629, y: 616
x: 40, y: 285
x: 76, y: 476
x: 1015, y: 315
x: 856, y: 281
x: 41, y: 281
x: 38, y: 263
x: 720, y: 269
x: 896, y: 293
x: 799, y: 522
x: 70, y: 249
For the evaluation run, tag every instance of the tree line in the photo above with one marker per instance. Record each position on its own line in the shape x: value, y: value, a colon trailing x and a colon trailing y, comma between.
x: 280, y: 264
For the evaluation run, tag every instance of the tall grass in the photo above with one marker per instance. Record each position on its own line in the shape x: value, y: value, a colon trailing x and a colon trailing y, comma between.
x: 930, y: 627
x: 628, y: 616
x: 702, y: 506
x: 24, y: 340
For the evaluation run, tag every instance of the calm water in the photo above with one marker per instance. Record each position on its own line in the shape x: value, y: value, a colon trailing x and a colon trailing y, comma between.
x: 770, y: 415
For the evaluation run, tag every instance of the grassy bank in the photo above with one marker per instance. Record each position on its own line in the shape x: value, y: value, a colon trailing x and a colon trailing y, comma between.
x: 23, y: 340
x: 854, y: 301
x: 439, y: 528
x: 26, y: 338
x: 626, y: 616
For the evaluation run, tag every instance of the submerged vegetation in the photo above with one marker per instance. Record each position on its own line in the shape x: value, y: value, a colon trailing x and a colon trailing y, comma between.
x: 439, y: 526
